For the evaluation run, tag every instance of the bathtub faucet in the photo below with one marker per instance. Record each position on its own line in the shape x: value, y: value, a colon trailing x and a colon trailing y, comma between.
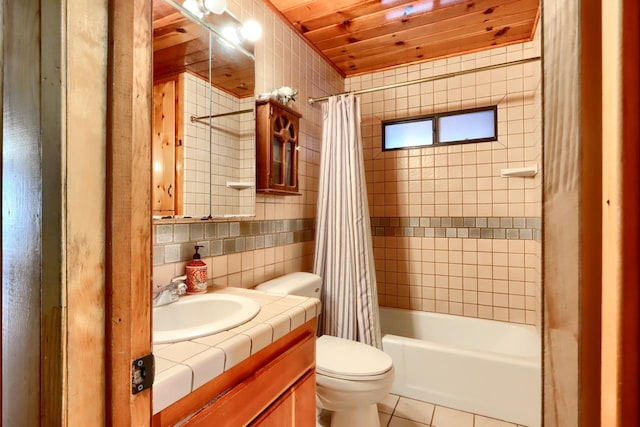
x: 170, y: 293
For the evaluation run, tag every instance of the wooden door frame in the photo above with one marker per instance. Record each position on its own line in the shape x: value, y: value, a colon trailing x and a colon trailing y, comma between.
x: 128, y: 311
x: 621, y: 232
x: 1, y: 188
x: 630, y: 319
x: 591, y: 237
x: 128, y: 305
x: 21, y: 211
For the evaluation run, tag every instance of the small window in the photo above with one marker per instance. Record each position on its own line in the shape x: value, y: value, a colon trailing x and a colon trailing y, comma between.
x: 457, y: 127
x: 413, y: 132
x: 467, y: 126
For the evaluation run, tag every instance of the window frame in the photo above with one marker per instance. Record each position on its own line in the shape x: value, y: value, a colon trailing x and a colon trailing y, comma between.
x: 435, y: 118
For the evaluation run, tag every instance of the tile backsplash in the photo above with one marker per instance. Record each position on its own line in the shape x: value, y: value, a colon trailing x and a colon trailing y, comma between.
x: 174, y: 242
x: 238, y: 253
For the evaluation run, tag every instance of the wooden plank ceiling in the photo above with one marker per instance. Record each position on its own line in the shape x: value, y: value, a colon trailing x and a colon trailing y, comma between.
x: 180, y: 44
x: 362, y: 36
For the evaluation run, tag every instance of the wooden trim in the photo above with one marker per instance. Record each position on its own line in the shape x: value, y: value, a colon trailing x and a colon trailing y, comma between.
x: 21, y: 213
x: 53, y: 314
x: 630, y: 376
x: 199, y: 398
x: 178, y: 206
x: 561, y: 211
x: 128, y: 268
x: 591, y: 215
x: 612, y: 231
x: 1, y: 191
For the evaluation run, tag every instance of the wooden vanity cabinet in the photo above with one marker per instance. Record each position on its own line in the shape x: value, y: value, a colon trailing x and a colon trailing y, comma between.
x: 274, y: 387
x: 277, y: 131
x: 293, y: 407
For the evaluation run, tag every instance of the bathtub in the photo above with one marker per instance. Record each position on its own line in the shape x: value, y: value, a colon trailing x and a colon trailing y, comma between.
x: 482, y: 366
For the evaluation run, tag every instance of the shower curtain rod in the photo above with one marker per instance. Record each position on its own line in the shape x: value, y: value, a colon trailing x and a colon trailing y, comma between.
x: 311, y: 101
x: 213, y: 116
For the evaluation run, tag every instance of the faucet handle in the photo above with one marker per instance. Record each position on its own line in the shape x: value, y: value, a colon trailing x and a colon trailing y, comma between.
x: 178, y: 279
x: 181, y: 289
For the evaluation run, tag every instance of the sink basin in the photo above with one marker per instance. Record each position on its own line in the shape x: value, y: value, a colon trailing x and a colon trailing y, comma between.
x: 195, y: 316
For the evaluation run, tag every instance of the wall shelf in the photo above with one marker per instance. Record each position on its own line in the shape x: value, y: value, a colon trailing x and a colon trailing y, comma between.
x: 522, y: 172
x: 240, y: 185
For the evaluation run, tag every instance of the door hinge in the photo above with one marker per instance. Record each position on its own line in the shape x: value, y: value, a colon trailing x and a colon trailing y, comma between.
x: 142, y: 373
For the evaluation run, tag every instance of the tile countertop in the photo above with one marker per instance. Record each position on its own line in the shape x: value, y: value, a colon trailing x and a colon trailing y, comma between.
x: 184, y: 366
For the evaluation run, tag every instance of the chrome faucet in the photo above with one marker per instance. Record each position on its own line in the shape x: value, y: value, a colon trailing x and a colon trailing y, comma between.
x: 170, y: 293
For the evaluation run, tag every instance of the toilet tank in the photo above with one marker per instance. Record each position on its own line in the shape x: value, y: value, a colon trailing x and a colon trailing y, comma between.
x: 299, y: 283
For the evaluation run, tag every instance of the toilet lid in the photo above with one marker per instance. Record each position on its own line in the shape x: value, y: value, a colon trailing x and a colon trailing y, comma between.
x: 342, y: 358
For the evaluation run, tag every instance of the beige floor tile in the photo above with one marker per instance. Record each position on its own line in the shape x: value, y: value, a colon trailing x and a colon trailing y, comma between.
x: 388, y: 404
x: 481, y: 421
x: 403, y: 422
x: 446, y: 417
x: 414, y: 410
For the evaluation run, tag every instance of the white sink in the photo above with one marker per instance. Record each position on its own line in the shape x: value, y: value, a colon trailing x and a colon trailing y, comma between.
x: 195, y: 316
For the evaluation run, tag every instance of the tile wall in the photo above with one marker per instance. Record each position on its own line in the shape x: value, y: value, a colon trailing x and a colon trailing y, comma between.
x: 282, y: 59
x: 495, y: 275
x: 450, y: 234
x: 232, y: 149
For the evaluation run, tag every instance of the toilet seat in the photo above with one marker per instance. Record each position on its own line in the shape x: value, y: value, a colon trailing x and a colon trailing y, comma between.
x: 350, y: 360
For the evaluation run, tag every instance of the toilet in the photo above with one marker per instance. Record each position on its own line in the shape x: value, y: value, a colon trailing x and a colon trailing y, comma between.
x: 351, y: 377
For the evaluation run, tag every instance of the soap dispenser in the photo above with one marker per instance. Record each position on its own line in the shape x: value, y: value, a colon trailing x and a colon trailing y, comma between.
x: 196, y: 271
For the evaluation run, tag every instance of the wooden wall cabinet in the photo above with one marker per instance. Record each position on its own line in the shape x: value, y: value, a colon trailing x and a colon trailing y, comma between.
x: 277, y: 130
x: 166, y: 149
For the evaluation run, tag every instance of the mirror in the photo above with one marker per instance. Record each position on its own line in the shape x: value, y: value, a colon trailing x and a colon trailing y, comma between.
x: 204, y: 121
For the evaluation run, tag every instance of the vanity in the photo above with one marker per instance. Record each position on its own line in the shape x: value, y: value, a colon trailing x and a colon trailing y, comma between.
x: 259, y: 373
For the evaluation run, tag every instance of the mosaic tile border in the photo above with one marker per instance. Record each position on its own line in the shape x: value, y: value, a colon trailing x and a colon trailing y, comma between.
x: 175, y: 242
x: 511, y: 228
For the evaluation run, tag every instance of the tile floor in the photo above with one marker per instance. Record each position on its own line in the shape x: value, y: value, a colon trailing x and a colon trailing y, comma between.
x: 397, y: 411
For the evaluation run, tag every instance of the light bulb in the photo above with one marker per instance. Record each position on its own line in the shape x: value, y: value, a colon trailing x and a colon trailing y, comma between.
x: 251, y: 30
x: 215, y: 6
x: 194, y: 7
x: 231, y: 34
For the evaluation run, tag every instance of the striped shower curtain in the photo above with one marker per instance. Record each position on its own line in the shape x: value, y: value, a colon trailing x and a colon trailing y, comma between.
x: 343, y: 245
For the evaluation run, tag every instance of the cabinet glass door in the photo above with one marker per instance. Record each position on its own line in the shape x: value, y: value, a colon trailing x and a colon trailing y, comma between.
x: 288, y: 165
x: 276, y: 167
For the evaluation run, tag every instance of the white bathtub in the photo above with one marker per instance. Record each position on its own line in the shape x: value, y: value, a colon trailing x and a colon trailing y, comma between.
x: 482, y: 366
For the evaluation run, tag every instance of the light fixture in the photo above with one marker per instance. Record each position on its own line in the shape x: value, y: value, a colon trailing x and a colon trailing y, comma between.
x: 251, y: 30
x: 215, y: 6
x: 231, y: 34
x: 193, y: 6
